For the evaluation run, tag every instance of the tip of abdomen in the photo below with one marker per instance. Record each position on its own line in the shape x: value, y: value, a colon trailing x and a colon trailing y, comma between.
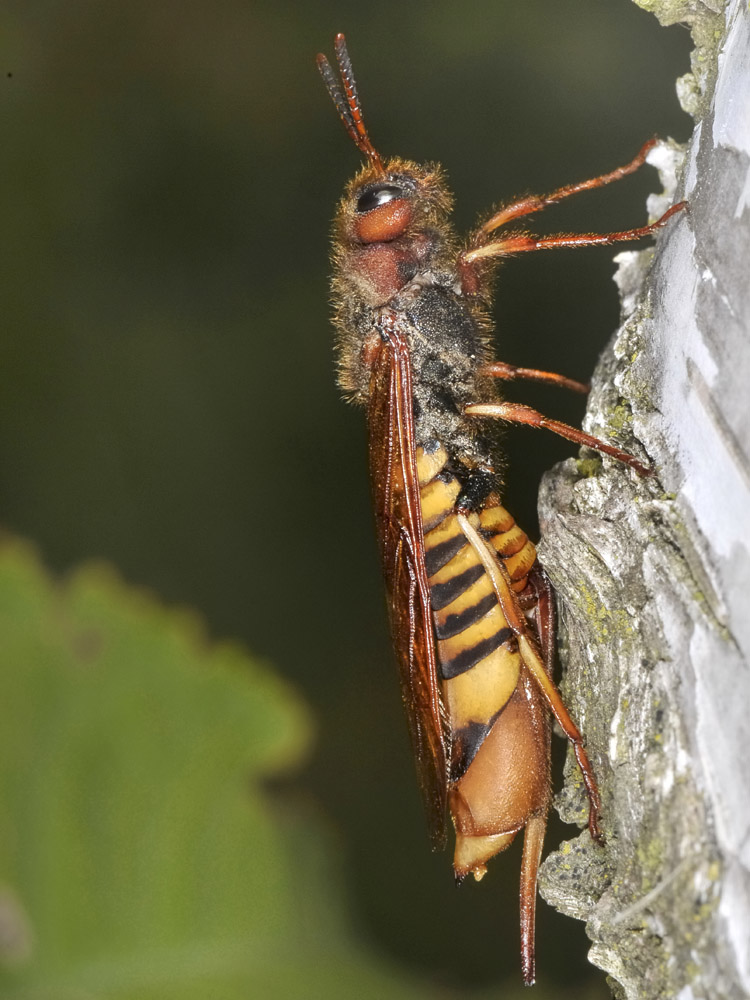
x: 472, y: 853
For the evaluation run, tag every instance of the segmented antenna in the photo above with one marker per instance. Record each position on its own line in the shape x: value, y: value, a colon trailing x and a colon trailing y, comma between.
x: 347, y: 100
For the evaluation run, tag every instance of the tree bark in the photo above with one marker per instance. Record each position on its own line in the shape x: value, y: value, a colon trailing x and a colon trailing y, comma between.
x: 652, y: 574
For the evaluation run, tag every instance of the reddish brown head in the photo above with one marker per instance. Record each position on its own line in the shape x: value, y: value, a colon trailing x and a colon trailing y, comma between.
x: 384, y: 205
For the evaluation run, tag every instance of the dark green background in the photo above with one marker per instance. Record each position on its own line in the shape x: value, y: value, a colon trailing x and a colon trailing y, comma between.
x: 169, y: 172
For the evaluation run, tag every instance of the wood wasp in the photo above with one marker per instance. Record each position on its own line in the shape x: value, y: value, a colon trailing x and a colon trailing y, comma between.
x: 471, y: 609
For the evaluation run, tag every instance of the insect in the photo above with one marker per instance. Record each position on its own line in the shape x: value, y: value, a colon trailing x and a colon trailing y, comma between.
x: 471, y: 609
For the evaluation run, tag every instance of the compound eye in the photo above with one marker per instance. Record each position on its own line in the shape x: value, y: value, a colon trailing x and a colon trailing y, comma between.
x: 377, y: 196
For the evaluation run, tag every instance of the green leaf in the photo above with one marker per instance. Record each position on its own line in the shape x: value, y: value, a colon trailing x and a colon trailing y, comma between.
x: 140, y: 856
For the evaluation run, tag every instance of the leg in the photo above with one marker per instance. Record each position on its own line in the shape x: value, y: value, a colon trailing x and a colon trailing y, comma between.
x: 533, y: 840
x: 544, y: 613
x: 520, y: 414
x: 499, y: 369
x: 533, y: 835
x: 521, y: 243
x: 535, y: 203
x: 532, y: 661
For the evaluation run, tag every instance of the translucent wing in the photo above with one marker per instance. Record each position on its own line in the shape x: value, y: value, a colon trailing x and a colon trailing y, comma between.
x: 397, y: 513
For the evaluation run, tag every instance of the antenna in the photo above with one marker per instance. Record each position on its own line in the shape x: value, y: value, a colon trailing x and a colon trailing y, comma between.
x: 347, y: 100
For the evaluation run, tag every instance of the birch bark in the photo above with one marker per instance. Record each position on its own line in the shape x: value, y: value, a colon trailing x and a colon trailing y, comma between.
x: 653, y: 575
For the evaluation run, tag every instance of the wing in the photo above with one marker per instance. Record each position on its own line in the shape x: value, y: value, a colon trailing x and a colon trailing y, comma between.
x: 399, y: 528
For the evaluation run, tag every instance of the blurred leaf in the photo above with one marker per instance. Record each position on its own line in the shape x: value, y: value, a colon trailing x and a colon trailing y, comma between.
x: 139, y: 854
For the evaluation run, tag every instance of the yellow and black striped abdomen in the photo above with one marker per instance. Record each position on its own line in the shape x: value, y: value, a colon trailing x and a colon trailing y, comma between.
x: 476, y: 650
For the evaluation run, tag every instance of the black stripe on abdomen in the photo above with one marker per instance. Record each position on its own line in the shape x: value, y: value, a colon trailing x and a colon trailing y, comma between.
x: 436, y: 557
x: 455, y: 624
x: 469, y: 658
x: 442, y: 594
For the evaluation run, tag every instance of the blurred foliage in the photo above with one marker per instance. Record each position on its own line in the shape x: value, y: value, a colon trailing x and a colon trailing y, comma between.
x: 166, y: 393
x: 139, y: 855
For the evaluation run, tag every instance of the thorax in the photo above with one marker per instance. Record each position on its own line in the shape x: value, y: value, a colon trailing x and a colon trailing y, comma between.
x: 447, y: 347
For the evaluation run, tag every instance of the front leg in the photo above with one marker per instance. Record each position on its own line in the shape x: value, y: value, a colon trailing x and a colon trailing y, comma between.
x: 499, y: 369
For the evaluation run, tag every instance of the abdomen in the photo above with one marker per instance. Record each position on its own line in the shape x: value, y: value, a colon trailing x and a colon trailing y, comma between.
x: 499, y: 765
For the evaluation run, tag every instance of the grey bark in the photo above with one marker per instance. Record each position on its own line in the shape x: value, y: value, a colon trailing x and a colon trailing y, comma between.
x: 653, y: 574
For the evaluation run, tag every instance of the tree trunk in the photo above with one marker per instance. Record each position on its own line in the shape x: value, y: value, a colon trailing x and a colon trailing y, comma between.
x: 651, y: 573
